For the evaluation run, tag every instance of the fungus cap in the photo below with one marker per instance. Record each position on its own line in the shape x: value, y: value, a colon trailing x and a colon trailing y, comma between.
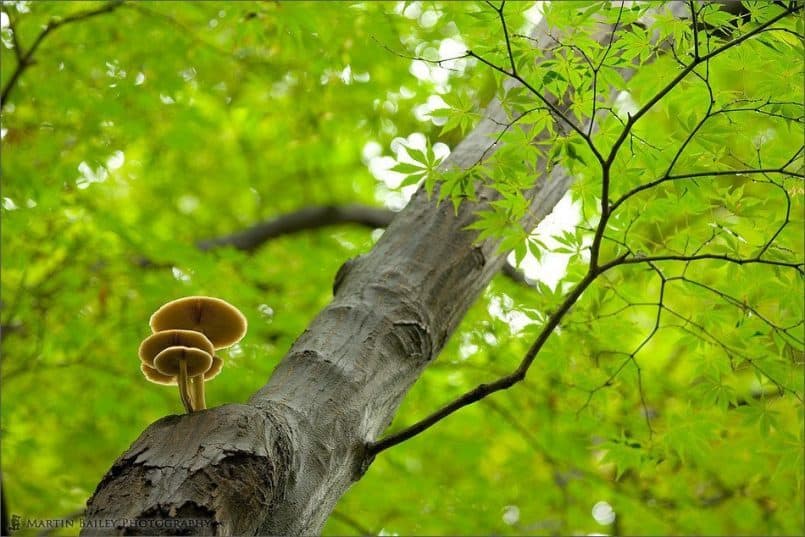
x: 167, y: 362
x: 220, y: 321
x: 158, y: 342
x: 215, y: 368
x: 152, y: 375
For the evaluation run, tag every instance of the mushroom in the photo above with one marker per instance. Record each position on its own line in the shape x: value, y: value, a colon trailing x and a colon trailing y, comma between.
x: 182, y: 363
x: 220, y: 321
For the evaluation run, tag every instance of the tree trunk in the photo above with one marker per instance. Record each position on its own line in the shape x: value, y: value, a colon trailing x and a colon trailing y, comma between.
x: 279, y: 464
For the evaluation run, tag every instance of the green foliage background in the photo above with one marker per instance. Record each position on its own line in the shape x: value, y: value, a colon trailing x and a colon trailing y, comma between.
x: 140, y: 131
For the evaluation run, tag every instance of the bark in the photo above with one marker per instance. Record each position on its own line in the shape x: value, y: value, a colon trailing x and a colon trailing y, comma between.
x: 279, y: 464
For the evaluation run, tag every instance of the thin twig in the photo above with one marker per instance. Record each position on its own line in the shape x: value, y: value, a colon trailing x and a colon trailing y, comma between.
x: 26, y: 58
x: 698, y: 175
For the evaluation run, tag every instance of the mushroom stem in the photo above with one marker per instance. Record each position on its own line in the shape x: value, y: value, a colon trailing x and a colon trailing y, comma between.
x: 184, y: 392
x: 197, y: 385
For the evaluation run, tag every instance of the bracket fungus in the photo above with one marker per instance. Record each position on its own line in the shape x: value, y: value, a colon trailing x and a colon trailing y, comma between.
x: 187, y: 331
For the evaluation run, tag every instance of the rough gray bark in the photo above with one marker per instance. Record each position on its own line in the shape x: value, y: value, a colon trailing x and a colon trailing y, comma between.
x: 279, y: 464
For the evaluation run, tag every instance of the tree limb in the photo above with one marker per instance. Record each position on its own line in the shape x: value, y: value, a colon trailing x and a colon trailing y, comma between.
x: 697, y: 175
x: 25, y: 59
x: 303, y: 219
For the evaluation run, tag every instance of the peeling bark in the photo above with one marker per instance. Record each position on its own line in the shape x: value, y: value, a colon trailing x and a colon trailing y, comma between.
x: 210, y: 473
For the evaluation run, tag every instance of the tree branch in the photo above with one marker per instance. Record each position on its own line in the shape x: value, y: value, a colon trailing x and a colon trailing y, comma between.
x: 684, y: 73
x: 303, y: 219
x: 606, y: 209
x: 15, y: 42
x: 727, y: 258
x: 506, y: 36
x: 697, y: 175
x: 555, y: 111
x: 352, y: 523
x: 25, y: 59
x: 741, y: 305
